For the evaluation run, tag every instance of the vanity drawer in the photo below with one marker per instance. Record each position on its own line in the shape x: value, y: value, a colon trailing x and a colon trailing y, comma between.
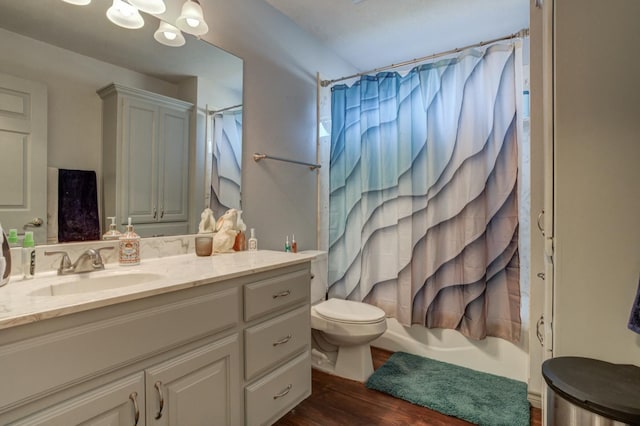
x: 279, y: 391
x: 275, y: 340
x: 263, y: 297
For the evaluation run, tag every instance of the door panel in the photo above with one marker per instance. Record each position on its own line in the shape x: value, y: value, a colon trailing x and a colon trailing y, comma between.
x: 23, y: 163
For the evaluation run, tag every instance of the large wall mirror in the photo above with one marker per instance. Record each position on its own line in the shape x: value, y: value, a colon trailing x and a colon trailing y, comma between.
x: 72, y: 52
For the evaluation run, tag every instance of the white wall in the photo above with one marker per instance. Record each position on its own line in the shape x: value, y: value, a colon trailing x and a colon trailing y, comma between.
x: 597, y: 178
x: 536, y: 287
x: 74, y: 108
x: 279, y: 115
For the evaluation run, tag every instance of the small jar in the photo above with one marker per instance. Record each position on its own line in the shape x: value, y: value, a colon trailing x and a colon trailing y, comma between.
x: 204, y: 245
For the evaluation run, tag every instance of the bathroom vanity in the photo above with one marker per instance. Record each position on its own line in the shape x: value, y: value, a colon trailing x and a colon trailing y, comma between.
x: 221, y: 340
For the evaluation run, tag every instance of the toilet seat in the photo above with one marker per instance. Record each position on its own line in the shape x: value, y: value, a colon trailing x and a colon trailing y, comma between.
x: 349, y: 312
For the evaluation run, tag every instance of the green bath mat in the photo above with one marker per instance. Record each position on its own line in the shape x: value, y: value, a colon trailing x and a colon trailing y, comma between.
x: 480, y: 398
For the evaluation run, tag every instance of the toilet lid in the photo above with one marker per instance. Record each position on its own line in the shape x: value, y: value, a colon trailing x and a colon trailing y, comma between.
x: 349, y: 311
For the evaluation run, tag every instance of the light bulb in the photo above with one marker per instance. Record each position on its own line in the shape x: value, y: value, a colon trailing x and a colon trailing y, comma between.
x: 193, y: 23
x: 170, y: 35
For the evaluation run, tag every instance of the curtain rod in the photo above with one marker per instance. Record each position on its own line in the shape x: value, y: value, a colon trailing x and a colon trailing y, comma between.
x: 225, y: 109
x: 257, y: 157
x: 520, y: 34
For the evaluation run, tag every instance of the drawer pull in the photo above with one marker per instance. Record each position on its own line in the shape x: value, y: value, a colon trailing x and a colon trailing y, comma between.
x: 284, y: 392
x: 134, y: 397
x: 158, y: 385
x: 282, y: 294
x: 282, y: 341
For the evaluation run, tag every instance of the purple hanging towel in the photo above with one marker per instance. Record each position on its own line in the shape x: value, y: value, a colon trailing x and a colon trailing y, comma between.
x: 634, y: 319
x: 77, y: 206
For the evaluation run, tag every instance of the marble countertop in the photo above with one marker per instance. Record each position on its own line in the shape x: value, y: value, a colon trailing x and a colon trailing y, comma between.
x: 20, y: 304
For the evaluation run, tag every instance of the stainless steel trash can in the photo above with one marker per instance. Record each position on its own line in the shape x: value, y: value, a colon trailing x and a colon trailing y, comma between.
x: 589, y: 392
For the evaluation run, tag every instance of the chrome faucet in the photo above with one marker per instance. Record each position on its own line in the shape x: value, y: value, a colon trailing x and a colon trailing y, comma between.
x: 89, y: 261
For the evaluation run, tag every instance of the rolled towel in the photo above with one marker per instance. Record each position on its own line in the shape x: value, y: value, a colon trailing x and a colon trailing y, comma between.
x: 634, y: 319
x: 78, y: 218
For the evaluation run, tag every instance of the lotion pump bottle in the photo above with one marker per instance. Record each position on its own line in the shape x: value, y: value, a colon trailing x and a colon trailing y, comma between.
x: 28, y: 256
x: 287, y: 246
x: 129, y: 247
x: 112, y: 233
x: 294, y: 245
x: 253, y: 242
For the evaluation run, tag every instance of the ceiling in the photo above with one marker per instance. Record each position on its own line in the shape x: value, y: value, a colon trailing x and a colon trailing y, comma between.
x: 376, y: 33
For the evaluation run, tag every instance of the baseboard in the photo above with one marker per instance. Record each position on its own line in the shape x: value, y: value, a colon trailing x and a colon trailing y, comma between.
x: 535, y: 399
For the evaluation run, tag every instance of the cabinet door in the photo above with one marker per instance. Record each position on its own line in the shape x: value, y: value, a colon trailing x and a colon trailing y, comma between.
x: 173, y: 200
x: 200, y: 387
x: 118, y: 403
x: 140, y: 161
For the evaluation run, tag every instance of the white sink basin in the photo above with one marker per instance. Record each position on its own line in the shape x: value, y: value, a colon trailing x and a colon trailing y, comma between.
x: 89, y: 283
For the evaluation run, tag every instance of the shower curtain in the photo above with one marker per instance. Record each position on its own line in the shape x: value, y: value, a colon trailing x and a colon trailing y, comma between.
x: 226, y: 162
x: 423, y: 214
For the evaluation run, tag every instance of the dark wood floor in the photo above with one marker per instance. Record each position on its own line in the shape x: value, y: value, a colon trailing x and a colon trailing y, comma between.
x: 337, y: 401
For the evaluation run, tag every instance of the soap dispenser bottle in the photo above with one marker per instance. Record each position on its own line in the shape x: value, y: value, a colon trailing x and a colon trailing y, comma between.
x: 129, y: 247
x: 28, y: 255
x: 112, y: 233
x: 253, y: 241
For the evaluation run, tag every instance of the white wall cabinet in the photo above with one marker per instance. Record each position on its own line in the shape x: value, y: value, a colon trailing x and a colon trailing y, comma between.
x: 146, y: 160
x: 187, y: 357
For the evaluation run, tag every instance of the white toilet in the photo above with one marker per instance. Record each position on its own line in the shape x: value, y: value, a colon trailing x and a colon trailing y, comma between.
x: 341, y: 329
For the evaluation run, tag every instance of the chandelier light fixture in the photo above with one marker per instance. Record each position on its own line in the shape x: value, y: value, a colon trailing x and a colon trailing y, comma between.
x: 191, y: 20
x: 126, y: 14
x: 154, y: 7
x: 169, y: 35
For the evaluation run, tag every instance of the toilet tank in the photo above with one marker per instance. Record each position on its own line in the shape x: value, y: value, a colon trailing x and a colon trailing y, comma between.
x: 319, y: 275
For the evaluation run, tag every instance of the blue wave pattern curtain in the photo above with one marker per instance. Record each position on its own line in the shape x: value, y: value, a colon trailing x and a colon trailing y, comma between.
x: 226, y: 162
x: 423, y: 194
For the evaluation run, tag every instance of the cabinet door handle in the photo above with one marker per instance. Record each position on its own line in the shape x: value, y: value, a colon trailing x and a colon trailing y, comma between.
x: 282, y: 341
x: 282, y: 294
x: 155, y: 213
x: 158, y: 387
x: 134, y: 398
x: 539, y: 334
x: 162, y: 213
x: 283, y: 392
x: 539, y: 221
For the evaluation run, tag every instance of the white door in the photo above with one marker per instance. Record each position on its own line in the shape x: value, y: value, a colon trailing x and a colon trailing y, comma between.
x: 23, y: 155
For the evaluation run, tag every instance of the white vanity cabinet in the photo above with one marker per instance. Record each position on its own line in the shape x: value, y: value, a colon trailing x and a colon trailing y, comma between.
x: 146, y: 159
x: 185, y: 357
x: 277, y: 342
